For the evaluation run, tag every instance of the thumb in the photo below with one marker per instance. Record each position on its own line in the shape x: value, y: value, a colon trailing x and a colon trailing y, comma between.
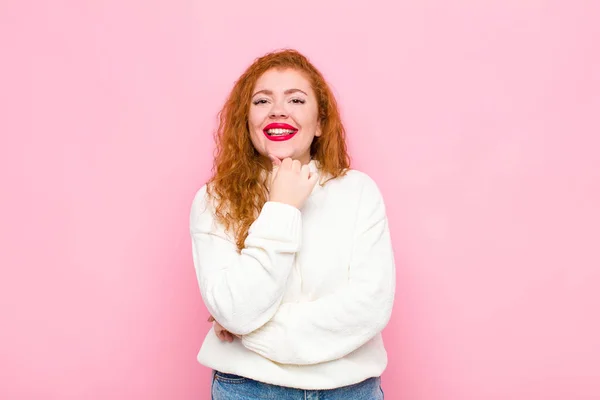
x: 276, y: 161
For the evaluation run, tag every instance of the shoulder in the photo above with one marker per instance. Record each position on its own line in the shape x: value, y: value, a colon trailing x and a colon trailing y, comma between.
x: 202, y: 212
x: 200, y: 199
x: 203, y: 218
x: 358, y: 183
x: 359, y: 177
x: 358, y: 192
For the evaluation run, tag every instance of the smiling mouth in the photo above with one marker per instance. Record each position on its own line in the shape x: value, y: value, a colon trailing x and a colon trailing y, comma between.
x: 279, y: 132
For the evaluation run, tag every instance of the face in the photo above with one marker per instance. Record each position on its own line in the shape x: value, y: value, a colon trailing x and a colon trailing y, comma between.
x: 284, y: 115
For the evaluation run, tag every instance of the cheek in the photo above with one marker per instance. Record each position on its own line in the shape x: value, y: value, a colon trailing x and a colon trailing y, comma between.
x: 311, y: 116
x: 255, y: 118
x: 310, y: 121
x: 257, y: 138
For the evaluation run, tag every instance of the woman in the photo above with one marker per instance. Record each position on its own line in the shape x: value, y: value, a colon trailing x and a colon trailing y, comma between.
x: 291, y: 247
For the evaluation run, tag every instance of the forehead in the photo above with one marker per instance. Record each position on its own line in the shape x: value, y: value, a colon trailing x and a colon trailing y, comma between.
x: 282, y: 80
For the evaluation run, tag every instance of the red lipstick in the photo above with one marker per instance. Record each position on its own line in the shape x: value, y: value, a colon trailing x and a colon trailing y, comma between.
x: 279, y: 132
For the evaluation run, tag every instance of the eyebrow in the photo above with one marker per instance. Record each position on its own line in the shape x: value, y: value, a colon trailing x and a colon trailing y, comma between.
x: 270, y: 92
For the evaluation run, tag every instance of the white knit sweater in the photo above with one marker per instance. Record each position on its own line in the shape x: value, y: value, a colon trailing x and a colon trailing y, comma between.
x: 309, y: 294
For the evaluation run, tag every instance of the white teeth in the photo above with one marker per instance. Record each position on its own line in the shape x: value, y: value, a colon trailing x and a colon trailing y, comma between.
x: 279, y: 131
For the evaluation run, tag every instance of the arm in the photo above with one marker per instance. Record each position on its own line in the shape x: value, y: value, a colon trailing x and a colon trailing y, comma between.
x: 242, y: 291
x: 333, y: 326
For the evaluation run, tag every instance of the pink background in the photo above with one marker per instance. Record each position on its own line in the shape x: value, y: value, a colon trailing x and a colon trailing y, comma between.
x: 479, y: 120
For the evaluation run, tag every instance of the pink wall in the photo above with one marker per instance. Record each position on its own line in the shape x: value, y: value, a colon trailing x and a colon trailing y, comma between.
x: 479, y: 119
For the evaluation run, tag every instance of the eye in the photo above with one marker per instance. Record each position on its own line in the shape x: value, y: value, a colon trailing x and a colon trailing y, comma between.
x: 298, y: 101
x: 259, y: 101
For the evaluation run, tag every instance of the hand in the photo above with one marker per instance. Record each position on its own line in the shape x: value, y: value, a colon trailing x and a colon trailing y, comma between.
x: 291, y: 182
x: 222, y: 334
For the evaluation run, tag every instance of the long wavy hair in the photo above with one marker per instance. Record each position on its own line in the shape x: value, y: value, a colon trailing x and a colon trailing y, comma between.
x: 238, y: 185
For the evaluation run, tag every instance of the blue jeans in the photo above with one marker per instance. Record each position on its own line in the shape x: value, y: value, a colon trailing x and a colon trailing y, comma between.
x: 233, y: 387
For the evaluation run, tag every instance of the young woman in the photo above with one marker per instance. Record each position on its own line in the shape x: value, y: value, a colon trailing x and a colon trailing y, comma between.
x: 291, y: 247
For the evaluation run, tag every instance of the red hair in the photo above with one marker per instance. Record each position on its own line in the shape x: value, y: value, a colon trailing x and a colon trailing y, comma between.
x: 238, y: 186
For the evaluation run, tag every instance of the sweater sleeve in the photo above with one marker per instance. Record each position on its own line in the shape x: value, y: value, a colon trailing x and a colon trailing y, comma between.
x: 243, y: 290
x: 331, y: 327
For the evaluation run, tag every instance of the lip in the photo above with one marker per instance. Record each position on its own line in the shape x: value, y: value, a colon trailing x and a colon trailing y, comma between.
x: 278, y: 125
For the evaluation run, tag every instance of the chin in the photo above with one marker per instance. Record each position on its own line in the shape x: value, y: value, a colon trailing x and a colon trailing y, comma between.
x: 281, y: 154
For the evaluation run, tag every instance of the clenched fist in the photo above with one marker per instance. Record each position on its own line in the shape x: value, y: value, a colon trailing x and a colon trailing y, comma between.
x: 223, y: 334
x: 291, y: 182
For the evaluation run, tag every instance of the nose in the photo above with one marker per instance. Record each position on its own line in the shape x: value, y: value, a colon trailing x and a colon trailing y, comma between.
x: 278, y: 111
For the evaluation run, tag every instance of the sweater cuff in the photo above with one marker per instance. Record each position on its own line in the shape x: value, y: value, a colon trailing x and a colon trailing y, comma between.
x: 264, y: 340
x: 278, y: 221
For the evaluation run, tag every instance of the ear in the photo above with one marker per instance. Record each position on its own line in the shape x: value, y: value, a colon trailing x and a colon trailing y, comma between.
x: 319, y: 131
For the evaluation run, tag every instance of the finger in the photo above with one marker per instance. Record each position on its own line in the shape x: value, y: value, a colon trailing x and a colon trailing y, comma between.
x: 305, y: 172
x: 273, y: 173
x: 276, y: 164
x: 296, y: 166
x: 211, y: 318
x: 276, y: 161
x: 223, y: 335
x: 286, y: 163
